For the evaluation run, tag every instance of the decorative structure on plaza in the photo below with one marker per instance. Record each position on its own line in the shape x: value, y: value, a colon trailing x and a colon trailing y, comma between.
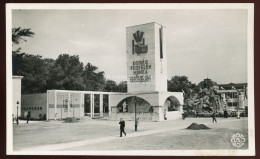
x: 147, y: 97
x: 213, y: 97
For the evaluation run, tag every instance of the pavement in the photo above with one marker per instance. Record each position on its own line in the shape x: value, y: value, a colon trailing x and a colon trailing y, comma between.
x: 107, y: 134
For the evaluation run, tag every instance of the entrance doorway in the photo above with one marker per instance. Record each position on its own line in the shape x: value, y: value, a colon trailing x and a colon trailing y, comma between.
x: 105, y: 105
x: 87, y: 104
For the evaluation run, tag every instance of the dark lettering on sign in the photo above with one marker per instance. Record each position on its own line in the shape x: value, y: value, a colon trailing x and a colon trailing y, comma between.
x: 140, y: 71
x: 145, y: 78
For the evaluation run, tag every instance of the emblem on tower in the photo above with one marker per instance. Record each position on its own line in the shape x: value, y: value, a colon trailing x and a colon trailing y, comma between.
x: 138, y: 44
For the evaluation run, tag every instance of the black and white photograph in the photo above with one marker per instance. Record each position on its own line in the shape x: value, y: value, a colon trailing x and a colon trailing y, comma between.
x: 165, y: 79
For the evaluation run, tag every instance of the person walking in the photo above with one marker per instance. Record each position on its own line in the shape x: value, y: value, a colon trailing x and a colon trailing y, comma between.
x: 40, y: 117
x: 122, y: 127
x: 214, y: 117
x: 197, y: 114
x: 28, y: 116
x: 238, y: 115
x: 164, y: 114
x: 183, y: 115
x: 225, y: 114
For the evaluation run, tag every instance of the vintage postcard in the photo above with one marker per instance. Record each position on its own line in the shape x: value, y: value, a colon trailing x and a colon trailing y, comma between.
x: 168, y: 79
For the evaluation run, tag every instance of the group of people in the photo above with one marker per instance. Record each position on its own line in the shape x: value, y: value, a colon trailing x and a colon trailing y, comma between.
x: 28, y: 117
x: 214, y: 115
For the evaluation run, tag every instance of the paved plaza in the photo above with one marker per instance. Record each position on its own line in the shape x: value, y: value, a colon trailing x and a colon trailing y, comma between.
x: 97, y: 134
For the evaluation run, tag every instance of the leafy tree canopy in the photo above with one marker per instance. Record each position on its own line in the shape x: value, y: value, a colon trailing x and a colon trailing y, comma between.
x: 19, y: 34
x: 66, y: 73
x: 179, y: 84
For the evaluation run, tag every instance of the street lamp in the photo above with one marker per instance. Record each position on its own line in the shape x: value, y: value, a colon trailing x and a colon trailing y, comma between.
x: 17, y: 121
x: 135, y: 100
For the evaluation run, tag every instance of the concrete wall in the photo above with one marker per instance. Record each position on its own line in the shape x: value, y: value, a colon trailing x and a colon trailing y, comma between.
x: 174, y: 115
x: 35, y: 103
x: 131, y: 116
x: 65, y: 104
x: 16, y: 81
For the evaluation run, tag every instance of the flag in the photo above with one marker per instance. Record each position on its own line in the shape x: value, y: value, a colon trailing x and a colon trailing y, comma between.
x: 222, y: 88
x: 233, y: 87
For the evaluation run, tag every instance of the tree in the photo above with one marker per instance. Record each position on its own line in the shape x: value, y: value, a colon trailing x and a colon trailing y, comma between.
x: 35, y: 71
x: 19, y: 34
x: 66, y: 73
x: 122, y: 86
x: 179, y: 84
x: 111, y: 86
x: 94, y: 80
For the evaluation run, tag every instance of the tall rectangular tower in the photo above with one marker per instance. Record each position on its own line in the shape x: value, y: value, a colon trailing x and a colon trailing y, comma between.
x: 146, y: 58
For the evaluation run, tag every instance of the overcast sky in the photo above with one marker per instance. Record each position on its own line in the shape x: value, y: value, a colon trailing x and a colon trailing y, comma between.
x: 199, y: 42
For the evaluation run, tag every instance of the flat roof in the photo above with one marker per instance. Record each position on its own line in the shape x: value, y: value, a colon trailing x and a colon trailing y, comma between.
x: 90, y: 92
x: 226, y: 91
x: 145, y: 24
x: 17, y: 76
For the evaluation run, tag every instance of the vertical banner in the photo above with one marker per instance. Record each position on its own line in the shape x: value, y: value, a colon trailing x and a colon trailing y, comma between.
x: 161, y: 42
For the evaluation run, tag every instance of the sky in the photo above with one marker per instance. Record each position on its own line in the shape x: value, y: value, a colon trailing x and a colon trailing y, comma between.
x: 200, y: 43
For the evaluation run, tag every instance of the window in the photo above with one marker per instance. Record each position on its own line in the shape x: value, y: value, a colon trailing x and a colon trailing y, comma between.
x: 40, y: 108
x: 29, y: 108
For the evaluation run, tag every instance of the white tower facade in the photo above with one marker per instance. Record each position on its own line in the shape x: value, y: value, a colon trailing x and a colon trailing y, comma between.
x: 146, y: 58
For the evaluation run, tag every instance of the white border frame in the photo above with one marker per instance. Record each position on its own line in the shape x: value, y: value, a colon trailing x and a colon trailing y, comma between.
x: 250, y: 70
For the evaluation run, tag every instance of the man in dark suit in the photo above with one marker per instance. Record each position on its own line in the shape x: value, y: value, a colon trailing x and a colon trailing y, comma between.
x: 122, y: 127
x: 28, y: 116
x: 214, y: 117
x: 225, y: 114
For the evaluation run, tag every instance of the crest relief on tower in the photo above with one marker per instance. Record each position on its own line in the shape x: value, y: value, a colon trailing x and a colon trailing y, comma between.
x: 138, y: 44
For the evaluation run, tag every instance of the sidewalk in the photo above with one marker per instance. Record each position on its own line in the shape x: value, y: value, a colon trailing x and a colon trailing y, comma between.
x: 178, y: 125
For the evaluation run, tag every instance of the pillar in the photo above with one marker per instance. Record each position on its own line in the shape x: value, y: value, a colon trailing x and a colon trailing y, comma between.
x: 101, y: 104
x: 81, y: 105
x: 91, y: 105
x: 55, y: 104
x: 47, y: 107
x: 181, y: 108
x: 109, y: 106
x: 69, y: 104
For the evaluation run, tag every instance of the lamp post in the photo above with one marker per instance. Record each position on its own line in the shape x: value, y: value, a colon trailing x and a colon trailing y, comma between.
x: 17, y: 121
x: 135, y: 100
